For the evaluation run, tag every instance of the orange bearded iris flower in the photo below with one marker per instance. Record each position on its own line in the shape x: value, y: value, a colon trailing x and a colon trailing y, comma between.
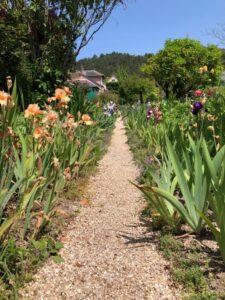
x: 62, y: 96
x: 33, y: 110
x: 70, y: 123
x: 59, y: 94
x: 67, y: 91
x: 4, y: 98
x: 50, y: 118
x: 87, y: 119
x: 39, y: 132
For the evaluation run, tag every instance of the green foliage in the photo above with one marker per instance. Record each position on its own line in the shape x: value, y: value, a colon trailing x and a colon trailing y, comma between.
x: 41, y: 39
x: 17, y: 263
x: 191, y: 278
x: 107, y: 96
x: 184, y: 163
x: 133, y: 87
x: 169, y: 245
x: 163, y: 176
x: 34, y: 169
x: 188, y: 268
x: 113, y: 87
x: 193, y: 183
x: 216, y: 169
x: 176, y: 68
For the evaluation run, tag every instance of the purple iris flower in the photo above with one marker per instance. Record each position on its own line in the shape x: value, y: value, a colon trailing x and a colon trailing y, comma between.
x: 197, y: 105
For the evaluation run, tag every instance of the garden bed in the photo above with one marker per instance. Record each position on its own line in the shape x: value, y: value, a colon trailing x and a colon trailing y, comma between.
x: 195, y: 259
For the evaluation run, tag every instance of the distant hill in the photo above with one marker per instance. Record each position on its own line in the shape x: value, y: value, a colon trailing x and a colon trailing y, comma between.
x: 109, y: 64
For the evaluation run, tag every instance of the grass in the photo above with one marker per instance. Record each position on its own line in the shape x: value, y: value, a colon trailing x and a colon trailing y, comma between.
x: 20, y: 262
x: 190, y: 268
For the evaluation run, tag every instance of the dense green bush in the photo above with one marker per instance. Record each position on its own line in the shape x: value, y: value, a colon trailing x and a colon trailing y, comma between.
x: 184, y: 65
x: 184, y: 161
x: 41, y: 39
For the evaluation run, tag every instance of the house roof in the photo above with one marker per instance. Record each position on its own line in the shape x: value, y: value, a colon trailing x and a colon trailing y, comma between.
x: 91, y: 73
x: 89, y: 83
x: 85, y: 77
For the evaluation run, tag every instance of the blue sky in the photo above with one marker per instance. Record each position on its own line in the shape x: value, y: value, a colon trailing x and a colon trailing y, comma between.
x: 144, y: 25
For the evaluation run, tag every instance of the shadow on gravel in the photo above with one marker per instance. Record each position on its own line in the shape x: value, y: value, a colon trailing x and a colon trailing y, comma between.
x: 144, y: 237
x: 137, y: 240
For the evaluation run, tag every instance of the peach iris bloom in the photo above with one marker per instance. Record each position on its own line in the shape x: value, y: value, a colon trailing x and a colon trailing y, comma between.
x: 39, y: 132
x: 50, y: 118
x: 4, y: 98
x: 33, y: 110
x: 67, y: 174
x: 67, y: 91
x: 62, y: 96
x: 70, y: 123
x: 59, y: 94
x: 87, y: 119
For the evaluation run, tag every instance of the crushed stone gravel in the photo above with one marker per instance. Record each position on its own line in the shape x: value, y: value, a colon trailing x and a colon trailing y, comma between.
x: 108, y: 253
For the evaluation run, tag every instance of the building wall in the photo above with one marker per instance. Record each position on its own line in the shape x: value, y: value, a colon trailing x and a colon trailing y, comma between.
x: 112, y: 79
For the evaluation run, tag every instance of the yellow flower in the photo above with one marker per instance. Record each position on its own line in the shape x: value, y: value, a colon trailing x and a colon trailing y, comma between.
x: 56, y: 163
x: 201, y: 70
x: 205, y: 69
x: 195, y: 125
x: 211, y: 118
x: 203, y: 100
x: 67, y: 174
x: 63, y: 102
x: 211, y: 128
x: 216, y: 137
x: 88, y: 123
x: 33, y: 110
x: 212, y: 71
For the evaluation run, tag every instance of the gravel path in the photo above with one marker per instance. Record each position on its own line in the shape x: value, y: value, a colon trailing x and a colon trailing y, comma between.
x: 107, y: 252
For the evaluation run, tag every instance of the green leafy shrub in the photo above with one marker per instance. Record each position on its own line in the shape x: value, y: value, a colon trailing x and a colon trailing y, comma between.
x: 184, y: 65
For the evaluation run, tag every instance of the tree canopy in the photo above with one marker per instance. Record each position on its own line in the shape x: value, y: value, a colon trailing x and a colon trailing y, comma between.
x: 41, y: 39
x: 132, y: 87
x: 111, y: 63
x: 184, y: 65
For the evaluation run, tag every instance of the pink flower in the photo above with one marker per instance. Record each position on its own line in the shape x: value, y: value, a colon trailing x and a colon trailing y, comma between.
x: 198, y: 93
